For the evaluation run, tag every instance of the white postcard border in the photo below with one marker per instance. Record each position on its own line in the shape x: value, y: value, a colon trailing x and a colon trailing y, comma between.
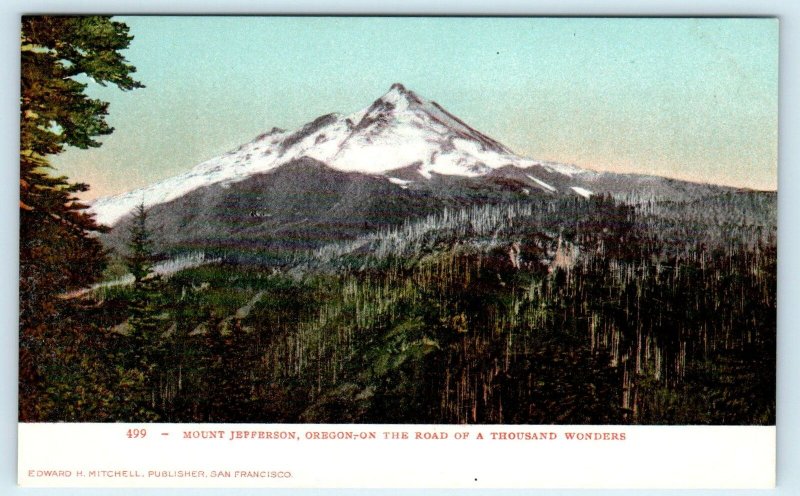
x: 787, y: 408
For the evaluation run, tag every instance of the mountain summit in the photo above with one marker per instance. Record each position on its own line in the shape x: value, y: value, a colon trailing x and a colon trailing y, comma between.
x: 401, y: 117
x: 400, y: 131
x: 338, y: 177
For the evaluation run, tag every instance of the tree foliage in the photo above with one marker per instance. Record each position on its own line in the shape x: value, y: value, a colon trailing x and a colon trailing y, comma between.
x: 143, y: 349
x: 59, y: 56
x: 55, y: 109
x: 139, y: 259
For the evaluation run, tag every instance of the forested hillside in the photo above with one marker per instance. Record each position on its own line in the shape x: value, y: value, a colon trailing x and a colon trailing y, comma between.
x: 551, y: 311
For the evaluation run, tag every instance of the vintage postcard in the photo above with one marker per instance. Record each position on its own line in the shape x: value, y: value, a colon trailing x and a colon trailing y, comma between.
x: 397, y: 252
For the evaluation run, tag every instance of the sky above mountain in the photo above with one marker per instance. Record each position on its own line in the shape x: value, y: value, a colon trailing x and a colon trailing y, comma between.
x: 695, y: 99
x: 401, y: 133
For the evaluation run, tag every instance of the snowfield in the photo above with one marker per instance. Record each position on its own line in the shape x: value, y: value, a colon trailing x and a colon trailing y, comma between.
x: 398, y: 130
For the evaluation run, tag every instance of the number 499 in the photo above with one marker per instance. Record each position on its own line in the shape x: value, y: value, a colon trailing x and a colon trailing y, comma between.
x: 137, y: 433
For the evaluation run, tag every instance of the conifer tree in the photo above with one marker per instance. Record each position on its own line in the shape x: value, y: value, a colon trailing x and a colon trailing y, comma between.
x: 57, y: 251
x: 139, y: 259
x: 146, y: 348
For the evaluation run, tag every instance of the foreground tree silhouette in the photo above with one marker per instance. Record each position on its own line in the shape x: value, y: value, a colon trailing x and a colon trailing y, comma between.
x: 143, y: 355
x: 57, y: 251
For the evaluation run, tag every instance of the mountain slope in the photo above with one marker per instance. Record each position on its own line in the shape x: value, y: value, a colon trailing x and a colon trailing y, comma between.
x: 304, y: 204
x: 337, y: 177
x: 400, y: 130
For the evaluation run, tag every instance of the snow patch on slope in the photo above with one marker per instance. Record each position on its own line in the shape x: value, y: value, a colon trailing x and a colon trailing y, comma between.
x: 400, y: 182
x: 563, y: 169
x: 582, y: 191
x: 541, y: 183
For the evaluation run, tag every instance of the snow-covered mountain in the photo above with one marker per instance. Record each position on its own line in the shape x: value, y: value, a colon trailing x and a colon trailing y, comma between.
x: 339, y: 177
x: 401, y: 131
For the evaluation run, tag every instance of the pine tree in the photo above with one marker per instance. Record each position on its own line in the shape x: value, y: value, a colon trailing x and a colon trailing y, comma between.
x: 57, y: 250
x: 146, y: 347
x: 143, y: 303
x: 139, y: 259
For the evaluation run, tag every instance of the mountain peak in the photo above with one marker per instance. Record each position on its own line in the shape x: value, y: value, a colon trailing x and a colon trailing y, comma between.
x: 400, y: 104
x: 397, y: 99
x: 398, y: 92
x: 398, y: 130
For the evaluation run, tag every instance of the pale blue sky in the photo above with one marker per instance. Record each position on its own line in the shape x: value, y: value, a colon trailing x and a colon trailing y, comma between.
x: 687, y: 98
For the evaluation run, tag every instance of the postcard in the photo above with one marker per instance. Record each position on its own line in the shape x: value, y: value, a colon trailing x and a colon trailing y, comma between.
x: 443, y: 252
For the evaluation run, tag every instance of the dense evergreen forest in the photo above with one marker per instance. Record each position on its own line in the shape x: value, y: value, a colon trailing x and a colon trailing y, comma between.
x: 552, y: 311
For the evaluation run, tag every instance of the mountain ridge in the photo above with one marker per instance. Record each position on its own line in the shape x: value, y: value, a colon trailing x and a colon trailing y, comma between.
x: 338, y: 177
x: 398, y: 129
